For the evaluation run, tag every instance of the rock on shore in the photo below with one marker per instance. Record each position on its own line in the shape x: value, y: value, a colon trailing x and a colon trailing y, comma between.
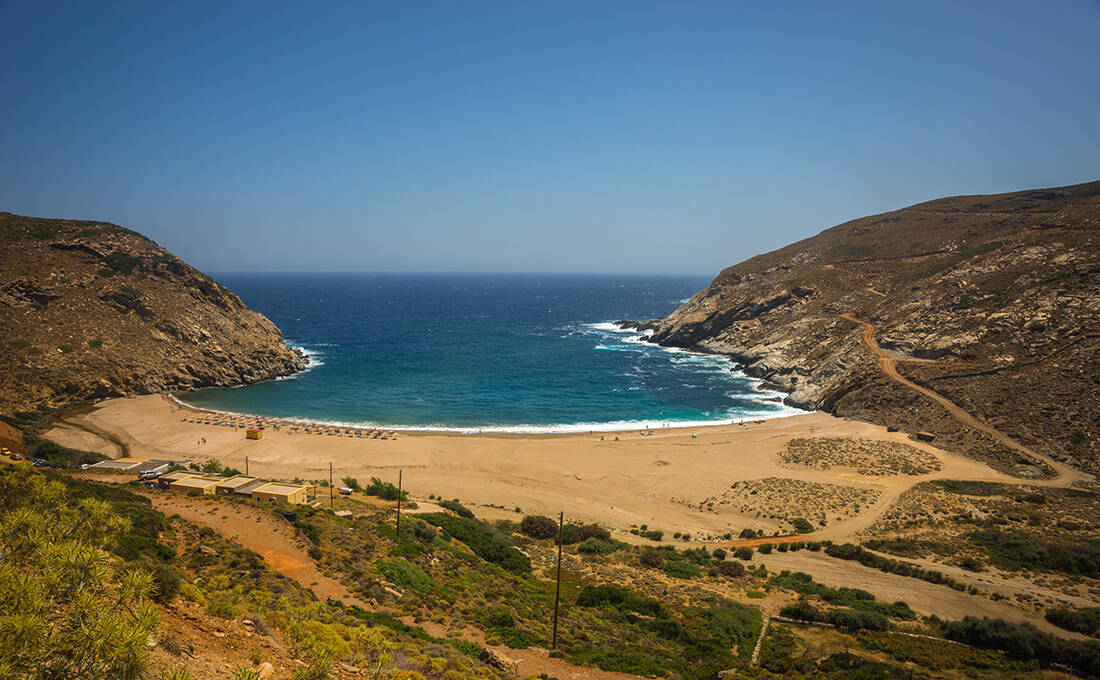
x: 91, y: 310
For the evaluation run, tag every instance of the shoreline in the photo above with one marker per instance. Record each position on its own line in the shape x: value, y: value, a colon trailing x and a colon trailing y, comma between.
x: 609, y: 427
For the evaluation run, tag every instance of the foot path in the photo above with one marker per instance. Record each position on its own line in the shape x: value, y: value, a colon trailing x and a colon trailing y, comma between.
x: 1064, y: 474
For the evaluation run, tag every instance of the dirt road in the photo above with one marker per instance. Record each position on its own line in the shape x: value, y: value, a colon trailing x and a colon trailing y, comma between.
x: 1064, y: 474
x: 284, y: 550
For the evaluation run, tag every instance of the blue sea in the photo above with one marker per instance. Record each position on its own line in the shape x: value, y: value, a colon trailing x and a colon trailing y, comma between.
x: 486, y: 352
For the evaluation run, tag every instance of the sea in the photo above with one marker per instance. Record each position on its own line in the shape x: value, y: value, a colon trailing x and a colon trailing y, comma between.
x: 486, y: 353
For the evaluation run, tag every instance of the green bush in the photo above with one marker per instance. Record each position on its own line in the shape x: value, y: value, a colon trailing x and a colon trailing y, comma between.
x: 681, y: 569
x: 764, y: 548
x: 486, y: 542
x: 457, y: 508
x: 743, y: 553
x: 575, y: 533
x: 622, y: 599
x: 734, y: 624
x: 802, y: 526
x: 538, y: 526
x: 384, y: 490
x: 407, y: 575
x: 598, y: 546
x: 1085, y: 620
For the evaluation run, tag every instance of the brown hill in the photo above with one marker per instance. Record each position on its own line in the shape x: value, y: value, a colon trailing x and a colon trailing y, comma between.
x: 990, y: 301
x: 91, y: 310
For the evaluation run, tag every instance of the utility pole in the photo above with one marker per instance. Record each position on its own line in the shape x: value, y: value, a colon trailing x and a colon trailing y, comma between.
x: 330, y: 501
x: 246, y: 465
x: 398, y: 528
x: 557, y: 588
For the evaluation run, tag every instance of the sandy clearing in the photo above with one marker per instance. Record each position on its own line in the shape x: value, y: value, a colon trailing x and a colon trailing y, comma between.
x: 923, y: 597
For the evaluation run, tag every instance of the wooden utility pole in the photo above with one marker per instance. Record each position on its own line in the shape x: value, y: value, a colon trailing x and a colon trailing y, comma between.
x: 557, y: 588
x: 246, y: 465
x: 398, y: 528
x: 330, y: 501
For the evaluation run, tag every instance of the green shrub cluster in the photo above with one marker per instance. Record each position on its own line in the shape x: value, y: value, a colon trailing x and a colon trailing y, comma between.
x: 457, y: 508
x: 384, y: 490
x: 1025, y: 642
x: 855, y: 598
x: 539, y: 526
x: 598, y: 546
x: 486, y: 542
x: 1012, y: 550
x: 849, y: 551
x: 1085, y: 620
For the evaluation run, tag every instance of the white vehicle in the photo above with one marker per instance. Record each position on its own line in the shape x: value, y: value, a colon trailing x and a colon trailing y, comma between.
x: 149, y: 474
x: 345, y: 490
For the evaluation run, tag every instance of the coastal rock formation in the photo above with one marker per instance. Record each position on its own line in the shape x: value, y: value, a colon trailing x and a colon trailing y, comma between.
x: 991, y: 301
x: 91, y: 310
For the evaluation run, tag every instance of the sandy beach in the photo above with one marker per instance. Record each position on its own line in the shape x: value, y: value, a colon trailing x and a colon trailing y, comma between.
x: 670, y: 480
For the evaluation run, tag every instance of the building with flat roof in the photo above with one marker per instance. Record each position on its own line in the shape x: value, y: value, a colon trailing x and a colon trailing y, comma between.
x: 119, y: 464
x: 231, y: 484
x: 248, y: 488
x: 295, y: 494
x: 198, y: 485
x: 166, y: 481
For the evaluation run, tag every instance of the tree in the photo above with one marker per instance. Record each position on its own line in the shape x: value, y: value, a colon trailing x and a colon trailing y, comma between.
x: 65, y: 610
x: 351, y: 483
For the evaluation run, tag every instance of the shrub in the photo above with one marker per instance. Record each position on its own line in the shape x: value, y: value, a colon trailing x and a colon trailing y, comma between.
x: 803, y: 611
x: 575, y: 533
x: 733, y: 623
x: 212, y: 466
x: 802, y: 526
x: 851, y: 619
x: 457, y: 508
x: 622, y: 599
x: 351, y: 483
x: 732, y: 569
x: 652, y: 558
x: 764, y: 548
x: 652, y: 534
x: 598, y: 546
x: 221, y: 607
x: 538, y: 526
x: 743, y: 553
x: 384, y: 490
x: 1086, y: 620
x: 407, y: 575
x: 719, y: 554
x: 681, y: 569
x: 423, y: 532
x: 486, y: 542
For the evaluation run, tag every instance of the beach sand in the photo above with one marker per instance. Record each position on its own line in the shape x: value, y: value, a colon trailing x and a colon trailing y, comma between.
x: 661, y: 480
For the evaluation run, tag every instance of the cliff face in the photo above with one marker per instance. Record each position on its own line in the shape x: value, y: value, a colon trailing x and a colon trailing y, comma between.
x: 91, y: 310
x: 992, y: 301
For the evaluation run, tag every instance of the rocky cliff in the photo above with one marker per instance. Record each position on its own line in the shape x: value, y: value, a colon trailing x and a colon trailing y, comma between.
x: 992, y: 301
x: 91, y: 310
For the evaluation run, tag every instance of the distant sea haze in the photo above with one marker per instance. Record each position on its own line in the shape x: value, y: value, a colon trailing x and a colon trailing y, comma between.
x: 486, y: 352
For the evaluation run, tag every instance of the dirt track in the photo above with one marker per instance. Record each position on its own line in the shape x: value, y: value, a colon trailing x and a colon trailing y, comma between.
x: 1064, y: 474
x: 285, y: 552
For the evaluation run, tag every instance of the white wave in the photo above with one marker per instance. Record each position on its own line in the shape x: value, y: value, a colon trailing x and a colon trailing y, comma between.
x: 559, y: 428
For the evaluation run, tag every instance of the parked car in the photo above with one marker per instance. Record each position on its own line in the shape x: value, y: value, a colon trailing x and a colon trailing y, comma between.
x: 84, y: 466
x: 39, y: 462
x: 345, y: 490
x: 149, y: 474
x: 17, y: 456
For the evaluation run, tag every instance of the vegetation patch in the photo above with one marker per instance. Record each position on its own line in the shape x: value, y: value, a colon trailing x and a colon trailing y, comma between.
x: 486, y: 542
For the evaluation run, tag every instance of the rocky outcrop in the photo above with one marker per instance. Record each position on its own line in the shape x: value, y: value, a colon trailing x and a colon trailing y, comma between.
x: 993, y: 301
x: 91, y: 310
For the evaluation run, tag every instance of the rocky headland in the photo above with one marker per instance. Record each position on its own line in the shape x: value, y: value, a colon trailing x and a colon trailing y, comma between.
x: 90, y: 310
x: 990, y: 301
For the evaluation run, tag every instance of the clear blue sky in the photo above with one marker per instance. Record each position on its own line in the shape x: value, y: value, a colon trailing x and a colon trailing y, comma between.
x: 589, y: 136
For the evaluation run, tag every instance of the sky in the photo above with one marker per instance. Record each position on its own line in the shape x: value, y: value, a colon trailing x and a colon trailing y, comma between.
x: 588, y: 136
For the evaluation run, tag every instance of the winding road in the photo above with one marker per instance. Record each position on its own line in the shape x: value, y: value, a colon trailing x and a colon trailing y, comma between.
x: 1064, y: 474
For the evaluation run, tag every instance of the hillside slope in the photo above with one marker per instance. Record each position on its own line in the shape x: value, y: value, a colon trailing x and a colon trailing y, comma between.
x: 91, y: 310
x: 991, y: 301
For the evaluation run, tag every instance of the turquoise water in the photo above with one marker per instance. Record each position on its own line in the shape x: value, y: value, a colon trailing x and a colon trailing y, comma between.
x: 484, y: 352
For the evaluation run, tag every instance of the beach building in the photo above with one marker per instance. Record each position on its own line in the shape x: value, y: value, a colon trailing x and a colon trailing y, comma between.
x: 247, y: 488
x: 231, y: 484
x: 165, y: 481
x: 119, y: 464
x: 295, y: 494
x: 254, y: 434
x: 199, y: 485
